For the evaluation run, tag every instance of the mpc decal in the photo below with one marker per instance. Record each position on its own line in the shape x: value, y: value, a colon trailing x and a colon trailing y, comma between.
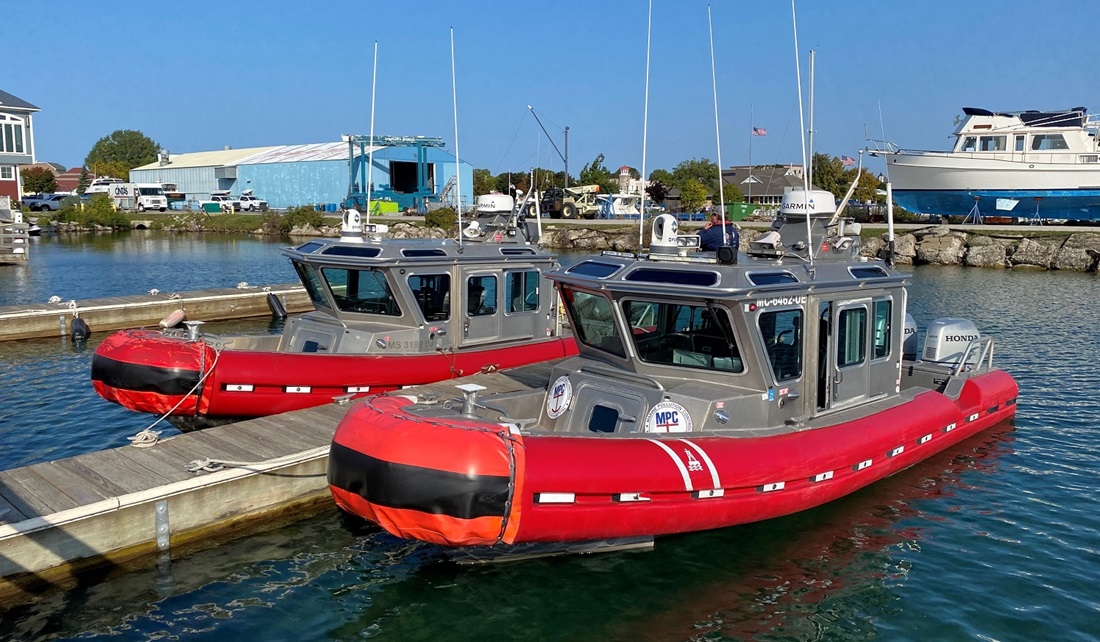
x: 559, y: 396
x: 668, y: 416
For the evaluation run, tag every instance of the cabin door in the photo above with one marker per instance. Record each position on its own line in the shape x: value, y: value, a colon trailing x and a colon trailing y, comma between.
x: 847, y: 377
x: 482, y: 312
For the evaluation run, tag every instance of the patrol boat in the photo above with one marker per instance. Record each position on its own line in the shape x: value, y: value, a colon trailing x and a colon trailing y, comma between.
x: 388, y: 313
x: 711, y: 389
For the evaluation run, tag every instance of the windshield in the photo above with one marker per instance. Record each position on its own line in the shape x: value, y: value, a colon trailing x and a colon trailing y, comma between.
x: 363, y: 291
x: 593, y: 321
x: 688, y: 335
x: 312, y: 283
x: 151, y: 191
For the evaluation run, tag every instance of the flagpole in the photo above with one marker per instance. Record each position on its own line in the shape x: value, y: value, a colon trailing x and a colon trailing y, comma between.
x: 751, y: 128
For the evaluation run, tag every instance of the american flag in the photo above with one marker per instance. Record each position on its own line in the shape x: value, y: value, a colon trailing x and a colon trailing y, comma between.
x: 759, y: 131
x: 848, y: 161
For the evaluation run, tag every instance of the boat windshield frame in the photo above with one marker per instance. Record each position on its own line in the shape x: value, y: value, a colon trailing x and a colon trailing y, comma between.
x: 593, y: 319
x: 371, y: 296
x: 683, y: 334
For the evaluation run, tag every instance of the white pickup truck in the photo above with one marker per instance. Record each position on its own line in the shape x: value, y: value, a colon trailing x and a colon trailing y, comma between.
x: 248, y: 202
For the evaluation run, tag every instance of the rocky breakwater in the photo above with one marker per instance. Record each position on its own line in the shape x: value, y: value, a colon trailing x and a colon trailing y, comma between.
x: 941, y: 245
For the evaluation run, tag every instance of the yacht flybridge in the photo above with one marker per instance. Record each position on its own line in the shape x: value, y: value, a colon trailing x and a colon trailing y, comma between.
x: 711, y: 389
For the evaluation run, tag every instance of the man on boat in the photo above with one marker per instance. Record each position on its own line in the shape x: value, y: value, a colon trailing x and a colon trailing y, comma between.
x: 711, y: 237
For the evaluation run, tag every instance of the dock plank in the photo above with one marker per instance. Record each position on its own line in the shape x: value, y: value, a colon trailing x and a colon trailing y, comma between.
x: 38, y: 495
x: 98, y: 475
x: 9, y: 513
x: 82, y: 490
x: 148, y: 467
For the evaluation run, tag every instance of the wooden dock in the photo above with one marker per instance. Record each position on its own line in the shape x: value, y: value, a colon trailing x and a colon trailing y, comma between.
x: 115, y: 313
x: 105, y: 508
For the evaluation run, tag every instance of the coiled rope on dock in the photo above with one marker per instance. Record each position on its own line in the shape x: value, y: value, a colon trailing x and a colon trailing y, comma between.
x: 212, y: 465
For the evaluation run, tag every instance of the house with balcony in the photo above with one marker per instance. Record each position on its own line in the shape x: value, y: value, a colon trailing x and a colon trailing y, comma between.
x: 16, y: 142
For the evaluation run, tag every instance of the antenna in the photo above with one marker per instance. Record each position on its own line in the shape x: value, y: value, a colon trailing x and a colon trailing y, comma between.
x: 810, y: 133
x: 458, y: 168
x: 717, y: 135
x: 370, y: 153
x: 802, y: 139
x: 645, y: 125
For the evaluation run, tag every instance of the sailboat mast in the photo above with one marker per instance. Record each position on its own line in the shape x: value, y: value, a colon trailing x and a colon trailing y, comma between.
x: 370, y: 152
x: 717, y: 133
x: 645, y: 125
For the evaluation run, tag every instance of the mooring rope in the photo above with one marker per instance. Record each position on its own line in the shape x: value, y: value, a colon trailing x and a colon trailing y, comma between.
x: 211, y: 465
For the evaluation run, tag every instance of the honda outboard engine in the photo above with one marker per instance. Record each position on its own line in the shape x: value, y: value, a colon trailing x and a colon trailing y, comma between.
x: 947, y: 339
x: 909, y: 344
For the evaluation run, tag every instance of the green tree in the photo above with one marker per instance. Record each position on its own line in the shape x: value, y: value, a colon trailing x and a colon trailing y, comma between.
x: 829, y: 174
x: 484, y: 182
x: 867, y: 188
x: 595, y: 173
x: 114, y: 169
x: 661, y: 176
x: 127, y: 146
x: 693, y: 194
x: 38, y: 179
x: 84, y: 182
x: 703, y: 170
x: 733, y: 193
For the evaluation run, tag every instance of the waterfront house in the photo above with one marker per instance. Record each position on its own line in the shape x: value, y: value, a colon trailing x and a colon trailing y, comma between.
x: 16, y: 142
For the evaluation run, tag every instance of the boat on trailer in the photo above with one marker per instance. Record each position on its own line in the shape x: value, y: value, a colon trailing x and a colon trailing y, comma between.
x: 711, y: 389
x: 389, y: 313
x: 1030, y: 165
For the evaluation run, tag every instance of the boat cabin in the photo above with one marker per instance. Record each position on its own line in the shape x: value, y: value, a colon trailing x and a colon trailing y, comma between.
x: 376, y: 295
x: 760, y: 342
x: 1036, y: 135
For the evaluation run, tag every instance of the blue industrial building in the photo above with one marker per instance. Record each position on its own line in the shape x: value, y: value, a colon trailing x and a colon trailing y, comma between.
x: 321, y: 174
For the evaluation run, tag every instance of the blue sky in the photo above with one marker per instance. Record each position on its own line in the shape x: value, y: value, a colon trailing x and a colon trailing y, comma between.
x: 200, y: 75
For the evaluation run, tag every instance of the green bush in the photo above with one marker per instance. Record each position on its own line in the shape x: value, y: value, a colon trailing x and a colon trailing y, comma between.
x: 443, y: 218
x: 99, y: 210
x: 301, y: 216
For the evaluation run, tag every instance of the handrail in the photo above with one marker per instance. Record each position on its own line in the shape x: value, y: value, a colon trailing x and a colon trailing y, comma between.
x: 985, y: 344
x: 621, y: 374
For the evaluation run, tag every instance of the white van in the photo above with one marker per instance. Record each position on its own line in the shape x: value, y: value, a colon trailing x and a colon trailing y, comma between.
x: 139, y: 196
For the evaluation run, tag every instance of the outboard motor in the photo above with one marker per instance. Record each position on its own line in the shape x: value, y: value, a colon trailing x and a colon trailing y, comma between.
x: 947, y: 339
x: 909, y: 345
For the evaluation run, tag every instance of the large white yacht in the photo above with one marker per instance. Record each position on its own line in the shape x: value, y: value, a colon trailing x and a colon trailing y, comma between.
x: 1029, y: 164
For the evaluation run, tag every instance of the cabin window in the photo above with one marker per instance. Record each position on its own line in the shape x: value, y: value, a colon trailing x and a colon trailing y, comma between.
x: 521, y: 291
x: 362, y: 291
x: 594, y: 268
x: 771, y: 278
x: 851, y: 337
x: 412, y: 253
x: 870, y: 272
x: 603, y: 419
x: 1044, y: 142
x: 314, y: 288
x: 782, y: 334
x: 481, y: 295
x: 432, y: 293
x: 969, y: 144
x: 593, y: 321
x: 1020, y: 143
x: 883, y: 329
x: 675, y: 277
x: 678, y: 334
x: 992, y: 143
x: 306, y: 248
x: 352, y: 250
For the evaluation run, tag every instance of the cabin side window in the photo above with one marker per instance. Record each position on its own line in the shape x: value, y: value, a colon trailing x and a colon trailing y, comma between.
x: 782, y: 334
x: 593, y: 321
x: 314, y: 288
x: 362, y: 291
x: 678, y: 334
x: 992, y: 143
x: 481, y: 295
x: 969, y: 144
x: 883, y: 329
x: 432, y: 293
x: 851, y: 337
x: 521, y: 291
x: 1019, y: 141
x: 1047, y: 142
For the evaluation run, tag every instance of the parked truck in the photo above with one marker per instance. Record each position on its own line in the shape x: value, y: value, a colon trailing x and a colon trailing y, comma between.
x: 139, y: 196
x: 571, y: 202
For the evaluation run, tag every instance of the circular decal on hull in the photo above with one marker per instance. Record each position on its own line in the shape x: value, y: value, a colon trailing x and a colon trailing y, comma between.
x: 668, y: 416
x: 558, y: 397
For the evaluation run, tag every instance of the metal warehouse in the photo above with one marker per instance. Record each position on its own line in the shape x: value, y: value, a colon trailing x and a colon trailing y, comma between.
x: 323, y: 174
